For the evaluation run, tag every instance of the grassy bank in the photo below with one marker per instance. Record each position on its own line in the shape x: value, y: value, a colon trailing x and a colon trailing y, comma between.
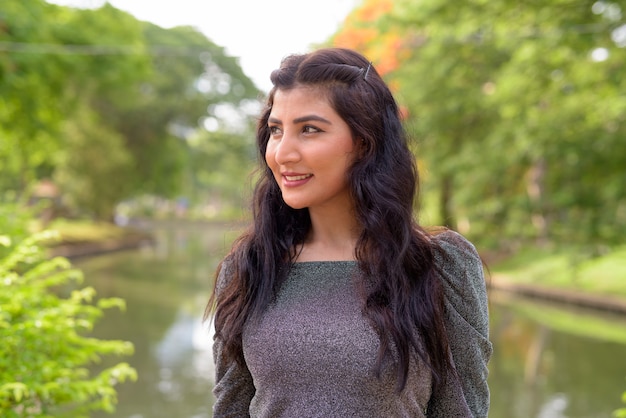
x: 566, y: 268
x: 79, y: 238
x: 77, y: 231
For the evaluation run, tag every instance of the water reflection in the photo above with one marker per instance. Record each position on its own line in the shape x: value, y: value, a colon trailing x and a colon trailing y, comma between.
x: 186, y: 347
x: 548, y: 362
x: 165, y: 287
x: 542, y: 369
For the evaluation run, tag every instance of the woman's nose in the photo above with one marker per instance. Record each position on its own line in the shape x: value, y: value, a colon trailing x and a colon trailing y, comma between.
x: 287, y: 150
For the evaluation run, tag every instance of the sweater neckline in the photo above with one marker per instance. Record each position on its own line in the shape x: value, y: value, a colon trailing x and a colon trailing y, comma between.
x: 324, y: 262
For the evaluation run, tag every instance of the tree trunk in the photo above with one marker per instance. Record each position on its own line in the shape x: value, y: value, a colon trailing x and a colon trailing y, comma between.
x: 446, y: 212
x: 536, y: 190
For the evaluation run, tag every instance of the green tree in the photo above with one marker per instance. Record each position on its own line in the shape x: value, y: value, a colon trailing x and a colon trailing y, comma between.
x: 49, y: 70
x: 519, y: 112
x: 31, y: 105
x: 74, y: 81
x: 190, y: 74
x: 222, y: 166
x: 561, y: 116
x: 94, y: 168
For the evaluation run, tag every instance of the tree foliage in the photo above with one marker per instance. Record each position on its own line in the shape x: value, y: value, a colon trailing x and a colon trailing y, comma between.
x: 91, y: 182
x: 518, y: 108
x: 30, y: 112
x: 78, y: 83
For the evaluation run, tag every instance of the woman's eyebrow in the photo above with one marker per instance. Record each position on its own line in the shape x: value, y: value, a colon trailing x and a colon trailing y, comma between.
x: 302, y: 119
x: 309, y: 118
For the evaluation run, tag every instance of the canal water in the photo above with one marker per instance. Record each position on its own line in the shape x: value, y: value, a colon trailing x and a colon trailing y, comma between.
x: 549, y: 361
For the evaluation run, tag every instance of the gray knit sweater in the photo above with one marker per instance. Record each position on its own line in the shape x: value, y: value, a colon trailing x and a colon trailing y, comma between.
x: 312, y: 353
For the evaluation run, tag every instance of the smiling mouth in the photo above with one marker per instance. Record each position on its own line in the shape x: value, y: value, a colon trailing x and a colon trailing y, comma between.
x: 297, y: 178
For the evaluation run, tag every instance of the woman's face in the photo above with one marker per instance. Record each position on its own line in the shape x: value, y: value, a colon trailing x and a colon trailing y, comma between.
x: 310, y: 150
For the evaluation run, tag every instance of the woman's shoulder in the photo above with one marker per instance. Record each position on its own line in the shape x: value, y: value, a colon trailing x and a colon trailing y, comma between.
x: 462, y: 275
x: 455, y: 255
x: 452, y: 244
x: 224, y: 273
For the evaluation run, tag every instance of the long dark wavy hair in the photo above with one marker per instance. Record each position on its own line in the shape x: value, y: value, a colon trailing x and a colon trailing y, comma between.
x: 402, y: 294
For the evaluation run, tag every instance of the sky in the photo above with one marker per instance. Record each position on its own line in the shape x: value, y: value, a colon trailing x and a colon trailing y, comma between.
x: 259, y: 32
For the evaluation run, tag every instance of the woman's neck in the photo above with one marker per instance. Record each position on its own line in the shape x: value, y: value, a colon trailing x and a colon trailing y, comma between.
x: 333, y: 237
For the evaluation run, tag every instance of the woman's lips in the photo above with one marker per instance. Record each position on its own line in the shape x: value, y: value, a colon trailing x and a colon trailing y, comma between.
x: 297, y: 177
x: 293, y: 180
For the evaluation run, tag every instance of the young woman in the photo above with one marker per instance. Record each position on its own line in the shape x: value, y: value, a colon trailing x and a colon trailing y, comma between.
x: 335, y: 302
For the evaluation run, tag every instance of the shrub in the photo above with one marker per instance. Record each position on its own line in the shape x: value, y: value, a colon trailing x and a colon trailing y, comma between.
x: 45, y: 350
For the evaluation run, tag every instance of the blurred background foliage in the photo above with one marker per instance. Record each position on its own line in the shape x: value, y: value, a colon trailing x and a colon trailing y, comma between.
x: 103, y: 108
x: 519, y: 109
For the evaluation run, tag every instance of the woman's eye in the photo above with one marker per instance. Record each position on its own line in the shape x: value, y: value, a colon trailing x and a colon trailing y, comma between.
x: 275, y: 130
x: 310, y: 129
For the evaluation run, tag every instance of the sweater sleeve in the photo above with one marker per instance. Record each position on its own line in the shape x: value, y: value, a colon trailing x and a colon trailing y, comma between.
x: 467, y: 323
x: 233, y: 388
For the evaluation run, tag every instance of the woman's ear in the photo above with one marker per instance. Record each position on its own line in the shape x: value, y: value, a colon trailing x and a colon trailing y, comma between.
x: 362, y: 147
